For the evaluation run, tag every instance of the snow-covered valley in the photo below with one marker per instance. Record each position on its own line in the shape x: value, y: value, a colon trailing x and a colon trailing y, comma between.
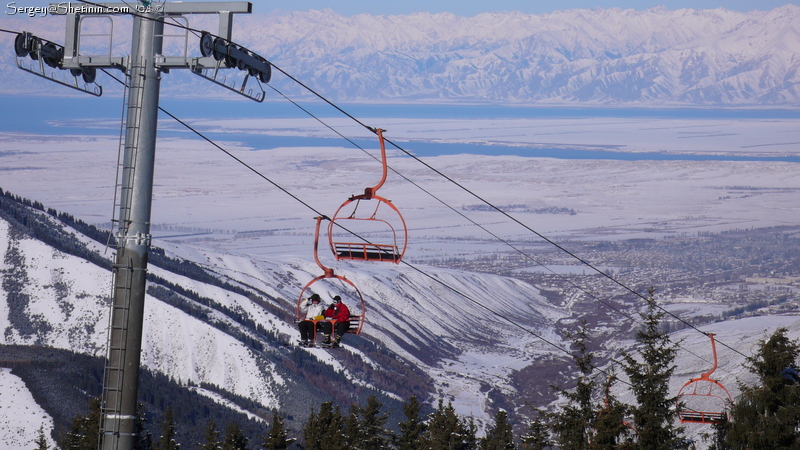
x: 207, y: 212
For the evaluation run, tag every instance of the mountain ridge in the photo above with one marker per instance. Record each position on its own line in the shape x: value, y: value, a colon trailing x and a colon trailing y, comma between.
x: 580, y: 56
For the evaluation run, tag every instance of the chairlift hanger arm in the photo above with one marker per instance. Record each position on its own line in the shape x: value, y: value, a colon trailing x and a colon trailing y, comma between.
x: 707, y: 375
x: 326, y: 270
x: 370, y: 192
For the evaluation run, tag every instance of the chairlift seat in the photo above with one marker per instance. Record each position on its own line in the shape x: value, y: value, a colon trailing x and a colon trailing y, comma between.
x: 701, y: 417
x: 364, y: 251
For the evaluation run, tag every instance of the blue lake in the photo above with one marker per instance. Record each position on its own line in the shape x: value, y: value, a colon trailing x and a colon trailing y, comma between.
x: 32, y: 114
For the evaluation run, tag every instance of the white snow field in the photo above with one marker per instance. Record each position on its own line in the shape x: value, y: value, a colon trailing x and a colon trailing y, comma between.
x: 199, y: 188
x: 20, y: 416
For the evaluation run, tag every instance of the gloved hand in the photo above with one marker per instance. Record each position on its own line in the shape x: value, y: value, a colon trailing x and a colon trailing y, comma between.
x: 333, y: 305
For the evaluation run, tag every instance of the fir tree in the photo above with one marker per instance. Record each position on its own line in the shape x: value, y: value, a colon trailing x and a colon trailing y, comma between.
x: 167, y: 441
x: 41, y: 439
x: 446, y: 431
x: 352, y: 429
x: 768, y: 415
x: 84, y: 433
x: 470, y: 434
x: 325, y: 430
x: 655, y: 413
x: 537, y: 436
x: 234, y: 438
x: 211, y: 440
x: 718, y: 436
x: 142, y: 440
x: 500, y: 436
x: 610, y: 428
x: 372, y: 426
x: 573, y: 424
x: 277, y: 439
x: 412, y: 430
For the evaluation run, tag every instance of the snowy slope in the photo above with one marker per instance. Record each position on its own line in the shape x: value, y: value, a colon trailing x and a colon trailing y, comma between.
x: 68, y: 305
x: 607, y: 56
x: 64, y: 305
x: 463, y: 347
x: 416, y: 317
x: 20, y: 416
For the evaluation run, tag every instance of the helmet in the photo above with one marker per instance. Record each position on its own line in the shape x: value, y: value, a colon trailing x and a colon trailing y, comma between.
x: 337, y: 299
x: 315, y: 298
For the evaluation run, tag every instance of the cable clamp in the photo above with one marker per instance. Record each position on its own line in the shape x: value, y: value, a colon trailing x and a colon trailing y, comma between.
x: 135, y: 239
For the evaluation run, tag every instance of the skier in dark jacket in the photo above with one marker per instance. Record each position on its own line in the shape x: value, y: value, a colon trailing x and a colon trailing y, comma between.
x: 341, y: 313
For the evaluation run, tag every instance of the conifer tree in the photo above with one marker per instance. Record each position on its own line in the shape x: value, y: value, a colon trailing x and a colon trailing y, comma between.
x: 167, y: 441
x: 234, y: 438
x: 470, y: 434
x: 142, y: 439
x: 537, y: 436
x: 84, y: 432
x: 352, y: 428
x: 768, y: 415
x: 325, y: 430
x: 412, y: 430
x: 573, y: 424
x: 610, y: 428
x: 655, y: 413
x: 500, y: 436
x: 277, y: 439
x: 41, y: 439
x: 446, y: 431
x: 372, y: 426
x: 211, y: 440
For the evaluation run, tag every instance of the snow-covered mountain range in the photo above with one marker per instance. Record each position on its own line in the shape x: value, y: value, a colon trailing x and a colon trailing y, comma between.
x: 597, y: 56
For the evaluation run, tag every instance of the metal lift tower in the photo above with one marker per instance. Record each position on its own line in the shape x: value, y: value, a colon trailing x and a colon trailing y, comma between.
x: 143, y: 70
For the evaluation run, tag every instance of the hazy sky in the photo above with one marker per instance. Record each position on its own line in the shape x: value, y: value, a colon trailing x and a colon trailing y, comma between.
x: 473, y: 7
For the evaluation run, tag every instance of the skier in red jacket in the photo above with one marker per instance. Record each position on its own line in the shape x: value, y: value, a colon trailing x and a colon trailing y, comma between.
x: 341, y: 313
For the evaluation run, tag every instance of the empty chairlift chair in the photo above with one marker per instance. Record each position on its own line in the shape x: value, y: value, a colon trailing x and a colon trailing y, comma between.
x: 704, y: 399
x: 374, y: 230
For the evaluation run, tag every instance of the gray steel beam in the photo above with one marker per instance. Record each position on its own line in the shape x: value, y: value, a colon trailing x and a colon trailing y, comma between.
x: 121, y: 378
x: 143, y: 68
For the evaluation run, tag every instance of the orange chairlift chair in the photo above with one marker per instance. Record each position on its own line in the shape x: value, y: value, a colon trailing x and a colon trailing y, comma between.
x: 340, y: 284
x: 704, y: 400
x: 381, y: 229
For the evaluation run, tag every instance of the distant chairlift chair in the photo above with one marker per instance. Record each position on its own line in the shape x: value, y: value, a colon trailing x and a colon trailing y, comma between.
x: 704, y: 399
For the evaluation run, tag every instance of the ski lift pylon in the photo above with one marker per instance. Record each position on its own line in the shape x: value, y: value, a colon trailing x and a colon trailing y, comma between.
x: 375, y: 225
x: 356, y: 319
x: 704, y: 399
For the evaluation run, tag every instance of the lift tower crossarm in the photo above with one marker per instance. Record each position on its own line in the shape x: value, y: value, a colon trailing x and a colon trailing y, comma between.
x: 72, y: 60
